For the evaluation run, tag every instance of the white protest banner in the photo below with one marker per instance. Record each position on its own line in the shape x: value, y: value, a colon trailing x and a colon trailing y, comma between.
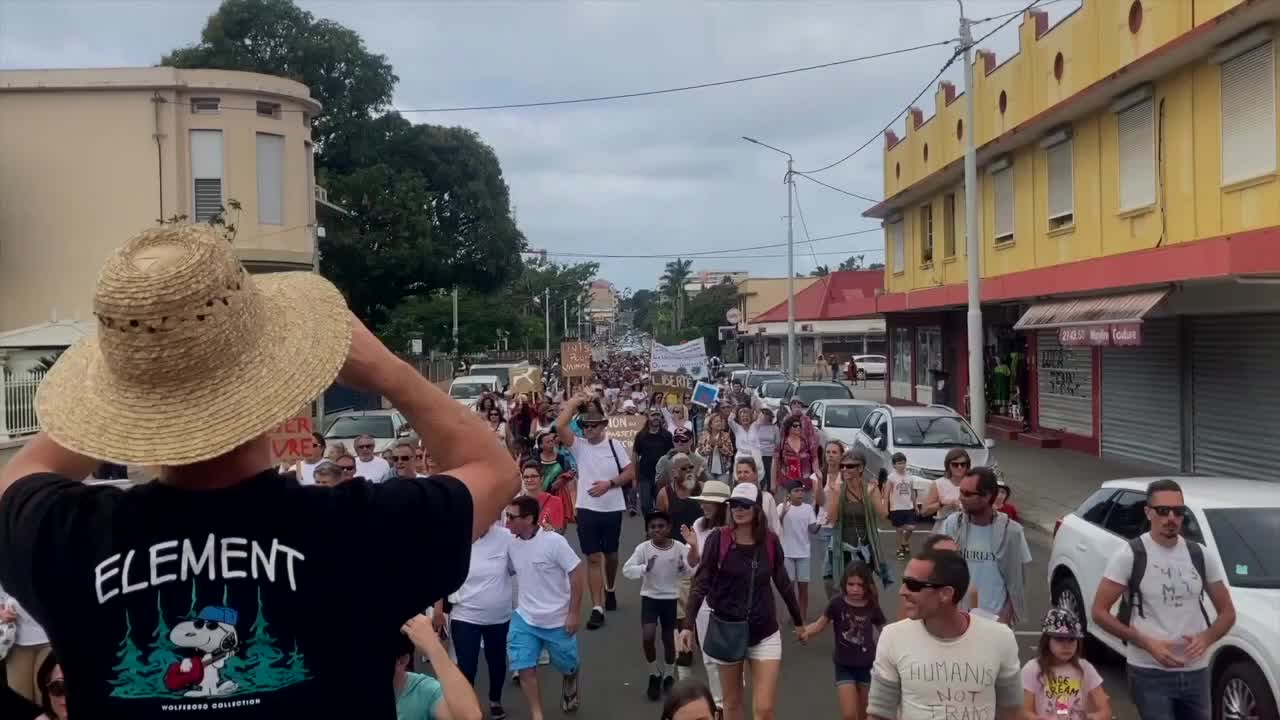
x: 688, y: 358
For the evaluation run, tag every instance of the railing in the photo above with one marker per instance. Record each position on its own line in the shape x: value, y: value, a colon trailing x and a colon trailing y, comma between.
x: 18, y: 416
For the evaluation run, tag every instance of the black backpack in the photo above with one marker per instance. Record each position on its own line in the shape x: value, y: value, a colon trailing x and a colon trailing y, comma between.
x: 1132, y: 599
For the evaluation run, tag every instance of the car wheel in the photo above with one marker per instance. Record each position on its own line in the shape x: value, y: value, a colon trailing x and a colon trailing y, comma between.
x: 1241, y: 693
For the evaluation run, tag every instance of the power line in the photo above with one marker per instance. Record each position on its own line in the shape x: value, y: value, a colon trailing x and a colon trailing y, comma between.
x: 839, y: 190
x: 804, y: 226
x: 644, y: 93
x: 1009, y: 14
x: 713, y: 254
x: 955, y: 56
x: 685, y: 256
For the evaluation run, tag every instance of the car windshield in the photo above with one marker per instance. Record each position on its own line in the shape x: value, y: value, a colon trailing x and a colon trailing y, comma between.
x: 773, y: 389
x: 349, y: 426
x: 847, y: 416
x: 1244, y: 537
x: 810, y: 393
x: 756, y: 379
x: 467, y: 391
x: 502, y: 373
x: 933, y: 431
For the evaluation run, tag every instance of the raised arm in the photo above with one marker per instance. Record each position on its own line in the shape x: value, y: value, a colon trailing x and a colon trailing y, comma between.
x: 567, y: 411
x: 460, y: 702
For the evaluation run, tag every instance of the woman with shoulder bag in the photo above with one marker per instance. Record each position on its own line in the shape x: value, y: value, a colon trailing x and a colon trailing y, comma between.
x: 738, y: 563
x: 855, y: 508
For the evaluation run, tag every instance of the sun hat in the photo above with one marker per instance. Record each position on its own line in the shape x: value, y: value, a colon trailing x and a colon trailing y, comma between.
x: 745, y: 492
x: 1061, y: 623
x: 713, y: 491
x: 592, y: 415
x: 193, y: 357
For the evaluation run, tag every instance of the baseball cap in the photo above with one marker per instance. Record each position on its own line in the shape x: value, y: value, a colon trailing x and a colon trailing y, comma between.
x: 682, y: 435
x: 1061, y: 623
x: 745, y: 492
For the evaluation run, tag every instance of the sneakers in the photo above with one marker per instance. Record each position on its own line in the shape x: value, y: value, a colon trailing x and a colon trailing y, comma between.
x: 903, y: 553
x: 497, y: 713
x: 610, y: 600
x: 668, y: 682
x: 655, y: 687
x: 596, y: 620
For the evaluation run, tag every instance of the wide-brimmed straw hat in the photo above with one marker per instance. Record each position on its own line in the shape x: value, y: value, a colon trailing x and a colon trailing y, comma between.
x: 193, y: 357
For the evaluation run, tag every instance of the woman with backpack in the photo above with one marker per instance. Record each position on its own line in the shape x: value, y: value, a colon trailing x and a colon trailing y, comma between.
x: 738, y: 564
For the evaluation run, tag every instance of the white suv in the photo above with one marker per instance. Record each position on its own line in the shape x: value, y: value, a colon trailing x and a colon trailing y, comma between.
x: 1239, y: 520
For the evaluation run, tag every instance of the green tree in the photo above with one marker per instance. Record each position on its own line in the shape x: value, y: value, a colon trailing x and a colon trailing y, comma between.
x: 163, y: 652
x: 820, y: 271
x: 642, y: 303
x: 707, y: 312
x: 853, y: 262
x: 276, y: 37
x: 131, y: 677
x: 674, y: 277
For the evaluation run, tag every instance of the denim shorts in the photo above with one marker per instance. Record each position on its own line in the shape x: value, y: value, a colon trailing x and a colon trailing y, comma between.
x: 846, y: 675
x: 798, y: 569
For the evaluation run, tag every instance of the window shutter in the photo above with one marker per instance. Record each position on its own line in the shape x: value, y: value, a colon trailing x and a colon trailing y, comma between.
x: 1249, y: 114
x: 1060, y: 190
x: 1003, y: 182
x: 208, y: 198
x: 895, y: 242
x: 206, y: 174
x: 1137, y: 140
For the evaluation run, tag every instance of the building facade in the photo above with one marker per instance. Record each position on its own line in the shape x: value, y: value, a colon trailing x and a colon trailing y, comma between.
x: 759, y: 295
x: 90, y: 157
x: 1128, y: 230
x: 602, y: 307
x: 835, y: 315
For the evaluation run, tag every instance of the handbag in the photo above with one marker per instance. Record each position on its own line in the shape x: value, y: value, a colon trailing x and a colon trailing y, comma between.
x: 728, y: 640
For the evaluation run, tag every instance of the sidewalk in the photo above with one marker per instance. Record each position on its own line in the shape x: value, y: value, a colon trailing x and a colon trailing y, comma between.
x: 1046, y: 484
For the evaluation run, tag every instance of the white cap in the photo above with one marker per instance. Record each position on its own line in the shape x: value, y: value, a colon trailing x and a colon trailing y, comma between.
x: 745, y: 491
x: 628, y: 405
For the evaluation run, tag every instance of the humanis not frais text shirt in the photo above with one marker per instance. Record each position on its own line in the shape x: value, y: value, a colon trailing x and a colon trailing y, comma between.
x: 259, y: 600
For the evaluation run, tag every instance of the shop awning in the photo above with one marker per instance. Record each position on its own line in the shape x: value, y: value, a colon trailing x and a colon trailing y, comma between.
x: 1092, y: 312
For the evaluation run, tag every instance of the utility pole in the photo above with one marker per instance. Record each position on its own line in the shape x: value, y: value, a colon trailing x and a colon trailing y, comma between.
x: 455, y: 321
x: 546, y: 307
x: 977, y: 380
x: 566, y: 317
x: 790, y: 181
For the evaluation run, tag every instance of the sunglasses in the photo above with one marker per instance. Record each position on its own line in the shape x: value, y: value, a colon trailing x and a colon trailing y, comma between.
x: 959, y: 464
x: 211, y: 624
x: 970, y: 493
x: 348, y: 468
x: 916, y: 585
x: 364, y: 447
x: 1165, y: 510
x: 590, y: 425
x: 850, y: 466
x: 402, y: 458
x: 56, y: 688
x: 741, y: 504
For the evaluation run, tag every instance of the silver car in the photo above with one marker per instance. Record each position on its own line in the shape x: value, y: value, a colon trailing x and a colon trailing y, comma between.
x: 840, y: 419
x: 924, y: 434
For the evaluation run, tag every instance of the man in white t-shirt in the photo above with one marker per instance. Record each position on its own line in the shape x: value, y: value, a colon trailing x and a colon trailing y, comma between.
x: 307, y: 468
x: 369, y: 466
x: 604, y: 468
x: 549, y: 580
x: 943, y: 662
x: 1167, y: 631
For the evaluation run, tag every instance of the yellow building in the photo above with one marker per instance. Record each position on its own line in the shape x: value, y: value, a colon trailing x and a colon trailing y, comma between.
x: 90, y: 157
x: 1129, y: 233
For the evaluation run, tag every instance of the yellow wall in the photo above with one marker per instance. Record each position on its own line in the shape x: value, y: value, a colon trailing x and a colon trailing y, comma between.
x: 757, y: 295
x: 81, y: 170
x: 1095, y: 42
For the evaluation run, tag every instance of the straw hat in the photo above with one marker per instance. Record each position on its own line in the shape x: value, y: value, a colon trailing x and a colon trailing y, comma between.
x: 193, y: 356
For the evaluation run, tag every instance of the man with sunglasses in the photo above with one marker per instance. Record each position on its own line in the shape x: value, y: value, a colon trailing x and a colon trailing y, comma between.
x: 941, y: 661
x: 994, y: 546
x: 604, y: 468
x: 405, y: 460
x: 369, y: 466
x: 1162, y: 579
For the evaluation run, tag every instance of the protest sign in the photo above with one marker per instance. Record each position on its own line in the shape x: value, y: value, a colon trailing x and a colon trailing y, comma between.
x: 705, y: 395
x: 688, y: 358
x: 575, y: 359
x: 291, y: 440
x: 526, y: 379
x: 668, y: 383
x: 624, y: 428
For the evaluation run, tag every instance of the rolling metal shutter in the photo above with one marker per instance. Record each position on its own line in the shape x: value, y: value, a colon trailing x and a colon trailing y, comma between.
x: 1065, y: 378
x: 1141, y: 411
x: 1236, y: 395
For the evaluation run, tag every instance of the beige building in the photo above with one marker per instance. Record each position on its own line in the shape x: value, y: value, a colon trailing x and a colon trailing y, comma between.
x: 602, y: 305
x: 90, y: 157
x: 757, y: 295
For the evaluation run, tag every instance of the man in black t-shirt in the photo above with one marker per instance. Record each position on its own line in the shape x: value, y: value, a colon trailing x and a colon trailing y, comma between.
x: 650, y: 445
x: 221, y: 588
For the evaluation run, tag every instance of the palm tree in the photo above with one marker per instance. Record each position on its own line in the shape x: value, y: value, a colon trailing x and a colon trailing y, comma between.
x: 673, y: 280
x: 820, y: 271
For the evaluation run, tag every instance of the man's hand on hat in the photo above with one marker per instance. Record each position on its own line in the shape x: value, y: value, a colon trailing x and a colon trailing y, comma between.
x: 369, y: 362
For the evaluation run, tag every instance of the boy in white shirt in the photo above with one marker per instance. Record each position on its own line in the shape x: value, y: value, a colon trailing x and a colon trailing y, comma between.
x: 799, y: 523
x: 550, y: 579
x: 902, y: 504
x: 659, y: 563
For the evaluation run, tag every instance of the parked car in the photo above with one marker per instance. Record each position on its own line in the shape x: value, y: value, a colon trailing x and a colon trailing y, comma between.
x: 384, y: 426
x: 840, y: 419
x: 809, y: 391
x: 1237, y: 519
x: 924, y: 434
x: 729, y: 369
x: 870, y: 366
x: 468, y: 388
x: 753, y: 378
x: 771, y: 393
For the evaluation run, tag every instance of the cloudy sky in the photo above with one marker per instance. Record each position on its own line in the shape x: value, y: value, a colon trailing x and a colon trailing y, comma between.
x: 658, y: 175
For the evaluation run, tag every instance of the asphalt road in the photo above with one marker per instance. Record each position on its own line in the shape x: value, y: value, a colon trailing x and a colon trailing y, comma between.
x: 614, y: 673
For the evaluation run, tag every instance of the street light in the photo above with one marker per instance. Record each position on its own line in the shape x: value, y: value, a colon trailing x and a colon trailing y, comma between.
x: 791, y: 271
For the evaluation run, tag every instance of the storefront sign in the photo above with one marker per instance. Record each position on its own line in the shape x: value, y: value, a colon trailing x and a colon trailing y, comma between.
x: 1113, y: 335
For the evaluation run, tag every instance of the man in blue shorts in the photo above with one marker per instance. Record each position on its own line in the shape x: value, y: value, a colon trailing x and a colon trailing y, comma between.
x: 551, y: 579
